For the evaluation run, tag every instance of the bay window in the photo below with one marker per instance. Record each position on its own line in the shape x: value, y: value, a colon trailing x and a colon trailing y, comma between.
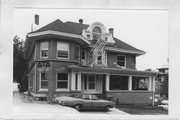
x: 44, y: 49
x: 62, y: 80
x: 62, y: 50
x: 43, y: 80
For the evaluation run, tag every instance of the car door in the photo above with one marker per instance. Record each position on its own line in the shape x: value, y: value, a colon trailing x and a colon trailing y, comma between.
x: 96, y: 103
x: 86, y: 102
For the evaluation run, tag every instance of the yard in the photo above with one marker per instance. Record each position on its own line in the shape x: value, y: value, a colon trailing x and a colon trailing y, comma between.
x: 142, y: 110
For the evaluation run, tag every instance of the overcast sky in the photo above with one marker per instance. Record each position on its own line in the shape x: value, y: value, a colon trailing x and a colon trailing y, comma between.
x: 147, y: 30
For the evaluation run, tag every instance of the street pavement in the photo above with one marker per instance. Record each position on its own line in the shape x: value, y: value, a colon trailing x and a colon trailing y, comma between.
x: 24, y: 108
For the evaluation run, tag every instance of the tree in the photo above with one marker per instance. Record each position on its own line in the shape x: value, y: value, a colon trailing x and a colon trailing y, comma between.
x: 19, y: 63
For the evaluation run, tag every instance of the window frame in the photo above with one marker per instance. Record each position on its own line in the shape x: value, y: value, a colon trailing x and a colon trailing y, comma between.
x: 58, y: 42
x: 145, y: 78
x: 123, y: 85
x: 40, y: 80
x: 62, y: 89
x: 121, y: 61
x: 44, y: 49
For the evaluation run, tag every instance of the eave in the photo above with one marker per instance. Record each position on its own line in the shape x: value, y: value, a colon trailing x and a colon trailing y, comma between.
x: 113, y: 49
x: 122, y: 71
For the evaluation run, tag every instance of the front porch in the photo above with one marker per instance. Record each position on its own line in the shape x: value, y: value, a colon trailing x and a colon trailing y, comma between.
x: 122, y: 85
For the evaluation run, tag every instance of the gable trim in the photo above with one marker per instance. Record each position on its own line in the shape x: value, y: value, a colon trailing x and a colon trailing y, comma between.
x: 58, y: 33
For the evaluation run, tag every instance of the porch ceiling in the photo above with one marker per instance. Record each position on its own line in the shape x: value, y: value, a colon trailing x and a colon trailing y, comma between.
x: 111, y: 70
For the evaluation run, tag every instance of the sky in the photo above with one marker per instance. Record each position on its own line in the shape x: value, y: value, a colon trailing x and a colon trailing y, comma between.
x: 147, y: 30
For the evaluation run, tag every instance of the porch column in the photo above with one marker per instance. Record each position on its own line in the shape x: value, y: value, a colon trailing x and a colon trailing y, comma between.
x: 107, y: 82
x: 79, y: 81
x: 150, y: 84
x: 153, y: 83
x: 72, y: 81
x: 130, y: 83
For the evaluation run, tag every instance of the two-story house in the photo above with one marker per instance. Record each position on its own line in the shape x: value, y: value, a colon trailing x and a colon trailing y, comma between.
x: 161, y: 82
x: 66, y: 58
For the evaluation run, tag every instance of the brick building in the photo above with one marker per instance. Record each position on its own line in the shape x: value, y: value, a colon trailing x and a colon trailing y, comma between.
x: 70, y: 57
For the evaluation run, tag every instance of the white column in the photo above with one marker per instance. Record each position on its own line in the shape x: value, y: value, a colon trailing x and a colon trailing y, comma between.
x: 153, y: 84
x: 79, y: 81
x: 150, y: 84
x: 107, y: 82
x: 72, y: 80
x: 130, y: 83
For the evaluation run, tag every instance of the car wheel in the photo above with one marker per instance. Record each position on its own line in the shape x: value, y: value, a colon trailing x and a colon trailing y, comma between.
x: 78, y: 107
x: 106, y: 109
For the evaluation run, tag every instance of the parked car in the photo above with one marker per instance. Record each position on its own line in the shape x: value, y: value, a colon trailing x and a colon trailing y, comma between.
x: 85, y: 101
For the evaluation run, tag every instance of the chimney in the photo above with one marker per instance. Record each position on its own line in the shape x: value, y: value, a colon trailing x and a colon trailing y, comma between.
x: 111, y: 31
x: 36, y: 19
x: 81, y: 21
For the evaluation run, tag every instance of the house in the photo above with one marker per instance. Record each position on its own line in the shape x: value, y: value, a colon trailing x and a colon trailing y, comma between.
x: 69, y: 57
x: 161, y: 82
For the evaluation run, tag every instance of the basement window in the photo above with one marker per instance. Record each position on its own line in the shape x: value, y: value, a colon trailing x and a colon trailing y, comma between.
x: 118, y: 82
x: 140, y: 83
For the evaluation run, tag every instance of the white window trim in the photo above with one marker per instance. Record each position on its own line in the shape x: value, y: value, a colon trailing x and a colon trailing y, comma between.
x: 44, y: 49
x: 62, y: 89
x: 91, y: 90
x: 68, y: 51
x: 42, y: 89
x: 124, y: 60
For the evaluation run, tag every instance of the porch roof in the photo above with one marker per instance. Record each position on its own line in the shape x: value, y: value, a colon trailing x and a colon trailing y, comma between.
x: 122, y: 71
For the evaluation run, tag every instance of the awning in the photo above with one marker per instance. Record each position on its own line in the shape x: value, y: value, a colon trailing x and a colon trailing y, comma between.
x: 105, y: 70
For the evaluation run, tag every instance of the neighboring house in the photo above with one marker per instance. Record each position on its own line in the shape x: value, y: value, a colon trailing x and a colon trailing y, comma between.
x: 66, y: 58
x: 161, y: 84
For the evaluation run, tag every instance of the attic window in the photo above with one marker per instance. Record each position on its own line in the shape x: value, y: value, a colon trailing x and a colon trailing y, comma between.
x: 97, y: 30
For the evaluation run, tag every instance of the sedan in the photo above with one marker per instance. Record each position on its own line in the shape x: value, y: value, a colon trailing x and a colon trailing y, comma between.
x: 85, y: 101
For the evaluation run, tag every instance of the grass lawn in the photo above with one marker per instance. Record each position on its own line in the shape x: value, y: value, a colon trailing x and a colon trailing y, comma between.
x: 142, y: 110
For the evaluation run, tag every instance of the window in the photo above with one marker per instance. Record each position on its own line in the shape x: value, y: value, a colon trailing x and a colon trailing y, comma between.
x: 76, y: 81
x: 62, y: 50
x: 118, y: 82
x: 44, y: 49
x: 77, y: 52
x: 121, y: 60
x: 44, y: 80
x: 62, y: 80
x: 83, y: 55
x: 99, y: 59
x: 91, y: 82
x: 97, y: 30
x: 140, y: 83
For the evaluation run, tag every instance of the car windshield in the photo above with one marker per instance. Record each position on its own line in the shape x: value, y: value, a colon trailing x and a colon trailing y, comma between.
x: 93, y: 97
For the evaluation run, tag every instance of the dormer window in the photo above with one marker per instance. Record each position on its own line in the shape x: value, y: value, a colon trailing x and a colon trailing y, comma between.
x: 96, y: 32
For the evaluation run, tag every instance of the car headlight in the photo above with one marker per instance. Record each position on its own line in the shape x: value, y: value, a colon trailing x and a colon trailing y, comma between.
x: 61, y: 102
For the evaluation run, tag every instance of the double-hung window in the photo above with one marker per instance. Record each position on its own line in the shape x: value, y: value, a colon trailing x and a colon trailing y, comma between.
x: 44, y: 49
x: 44, y: 80
x: 62, y: 80
x: 121, y: 60
x: 62, y: 50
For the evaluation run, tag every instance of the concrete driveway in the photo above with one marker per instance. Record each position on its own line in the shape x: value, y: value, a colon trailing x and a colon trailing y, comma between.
x: 23, y: 107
